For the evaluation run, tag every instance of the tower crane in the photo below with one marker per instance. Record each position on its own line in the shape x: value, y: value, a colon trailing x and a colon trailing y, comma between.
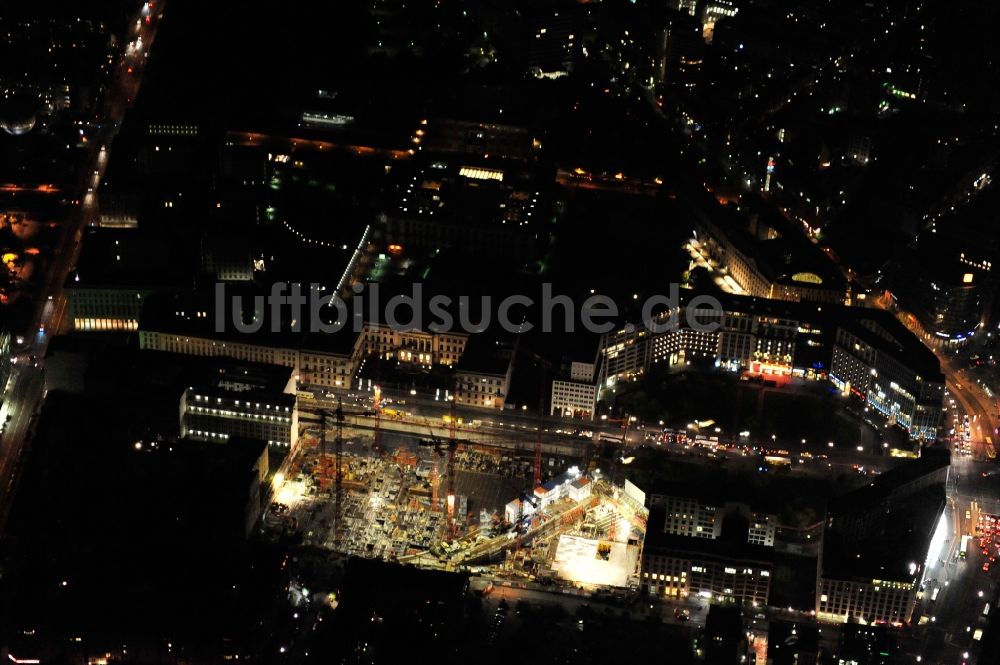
x: 446, y: 450
x: 338, y: 460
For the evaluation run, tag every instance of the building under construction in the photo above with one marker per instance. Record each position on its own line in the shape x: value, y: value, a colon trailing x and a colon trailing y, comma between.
x: 448, y: 504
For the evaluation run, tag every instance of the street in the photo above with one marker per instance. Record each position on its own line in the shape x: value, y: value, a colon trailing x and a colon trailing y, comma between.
x: 25, y: 389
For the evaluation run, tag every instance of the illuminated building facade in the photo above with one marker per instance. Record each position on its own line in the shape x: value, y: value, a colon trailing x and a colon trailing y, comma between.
x: 104, y: 309
x: 892, y: 372
x: 765, y: 254
x: 5, y: 358
x: 876, y: 601
x: 948, y: 288
x: 757, y: 336
x: 717, y: 550
x: 573, y: 398
x: 243, y: 401
x: 878, y: 540
x: 864, y: 352
x: 417, y: 347
x: 695, y: 518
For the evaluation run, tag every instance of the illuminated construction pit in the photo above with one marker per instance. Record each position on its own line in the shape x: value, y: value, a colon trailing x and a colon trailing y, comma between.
x: 593, y: 562
x: 386, y: 499
x: 580, y: 531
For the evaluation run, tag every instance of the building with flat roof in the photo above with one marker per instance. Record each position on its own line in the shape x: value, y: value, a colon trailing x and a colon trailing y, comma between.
x: 189, y: 324
x: 469, y: 205
x: 728, y: 567
x: 482, y: 376
x: 877, y: 543
x: 476, y: 139
x: 242, y: 400
x: 864, y: 352
x: 574, y: 399
x: 702, y: 518
x: 726, y: 540
x: 186, y: 324
x: 876, y: 358
x: 766, y: 254
x: 116, y: 271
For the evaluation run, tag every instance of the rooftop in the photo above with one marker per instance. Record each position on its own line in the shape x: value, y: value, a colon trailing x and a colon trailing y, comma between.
x: 131, y: 258
x: 781, y: 251
x: 882, y: 330
x: 893, y: 482
x: 473, y: 191
x: 485, y: 355
x: 731, y: 546
x: 225, y: 377
x: 879, y: 328
x: 194, y: 314
x: 884, y: 544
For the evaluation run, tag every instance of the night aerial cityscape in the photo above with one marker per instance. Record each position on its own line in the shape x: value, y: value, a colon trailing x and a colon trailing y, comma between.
x: 499, y: 331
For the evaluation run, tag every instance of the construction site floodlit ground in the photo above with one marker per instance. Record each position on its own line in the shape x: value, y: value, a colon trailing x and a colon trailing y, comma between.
x: 458, y: 506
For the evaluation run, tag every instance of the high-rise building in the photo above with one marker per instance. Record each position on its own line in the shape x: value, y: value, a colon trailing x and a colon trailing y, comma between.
x: 554, y: 41
x: 678, y: 52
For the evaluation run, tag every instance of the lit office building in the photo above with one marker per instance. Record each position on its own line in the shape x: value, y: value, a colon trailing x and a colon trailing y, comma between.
x: 889, y: 368
x: 864, y: 352
x: 482, y: 376
x: 243, y: 401
x: 574, y: 399
x: 717, y: 550
x: 116, y: 271
x: 878, y: 541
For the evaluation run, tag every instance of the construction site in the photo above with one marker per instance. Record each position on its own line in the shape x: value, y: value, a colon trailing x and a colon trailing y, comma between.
x: 454, y: 504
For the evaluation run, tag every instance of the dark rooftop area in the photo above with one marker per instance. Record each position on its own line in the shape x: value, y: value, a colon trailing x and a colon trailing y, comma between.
x: 894, y: 546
